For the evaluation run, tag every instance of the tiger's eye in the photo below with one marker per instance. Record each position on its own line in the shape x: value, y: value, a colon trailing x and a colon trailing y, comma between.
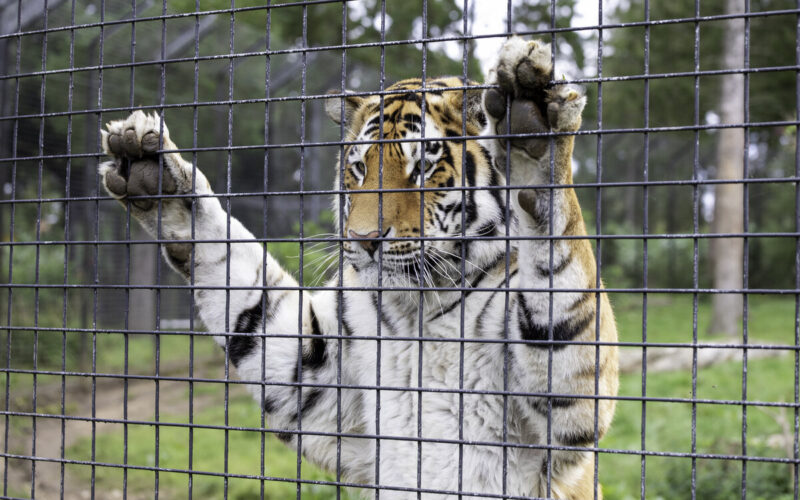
x: 360, y: 168
x: 419, y: 167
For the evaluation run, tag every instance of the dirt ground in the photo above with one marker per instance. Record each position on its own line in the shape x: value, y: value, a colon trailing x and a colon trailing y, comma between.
x: 109, y: 404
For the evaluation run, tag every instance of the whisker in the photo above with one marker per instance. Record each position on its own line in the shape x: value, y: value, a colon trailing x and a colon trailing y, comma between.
x: 458, y: 257
x: 322, y: 274
x: 429, y: 278
x: 444, y: 262
x: 439, y: 263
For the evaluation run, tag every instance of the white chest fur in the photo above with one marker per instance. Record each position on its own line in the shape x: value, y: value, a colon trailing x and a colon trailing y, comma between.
x: 421, y: 404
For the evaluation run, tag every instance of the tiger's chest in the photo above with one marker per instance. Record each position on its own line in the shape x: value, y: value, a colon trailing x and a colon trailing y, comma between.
x: 431, y: 386
x: 433, y: 377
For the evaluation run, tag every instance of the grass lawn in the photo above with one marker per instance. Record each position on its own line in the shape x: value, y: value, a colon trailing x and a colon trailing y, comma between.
x: 668, y: 425
x: 208, y: 455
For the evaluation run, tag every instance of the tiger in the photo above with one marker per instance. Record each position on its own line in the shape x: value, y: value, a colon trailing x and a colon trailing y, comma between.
x: 466, y: 348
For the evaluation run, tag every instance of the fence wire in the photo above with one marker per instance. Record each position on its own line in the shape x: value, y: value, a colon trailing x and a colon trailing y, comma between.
x: 112, y: 388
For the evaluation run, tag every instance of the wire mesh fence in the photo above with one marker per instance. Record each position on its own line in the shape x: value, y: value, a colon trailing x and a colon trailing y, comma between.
x: 441, y: 329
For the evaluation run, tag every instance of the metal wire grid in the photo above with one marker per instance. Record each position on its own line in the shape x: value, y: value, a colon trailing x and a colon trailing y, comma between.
x: 14, y: 80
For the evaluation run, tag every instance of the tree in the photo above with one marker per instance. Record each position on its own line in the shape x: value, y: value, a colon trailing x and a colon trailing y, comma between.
x: 323, y: 29
x: 671, y: 155
x: 728, y: 253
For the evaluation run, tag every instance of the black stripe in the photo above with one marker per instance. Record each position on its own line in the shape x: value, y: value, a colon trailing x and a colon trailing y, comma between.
x: 316, y: 355
x: 471, y: 211
x: 583, y: 437
x: 480, y: 116
x: 558, y: 269
x: 455, y: 206
x: 447, y: 154
x: 341, y: 305
x: 412, y: 118
x: 496, y: 262
x: 433, y: 147
x: 447, y: 309
x: 479, y: 318
x: 585, y: 297
x: 540, y: 404
x: 409, y: 96
x: 286, y: 437
x: 469, y: 205
x: 241, y: 346
x: 479, y: 322
x: 384, y: 318
x: 563, y: 331
x: 469, y: 165
x: 439, y: 220
x: 269, y: 404
x: 248, y: 320
x: 314, y: 322
x: 486, y: 229
x: 440, y: 168
x: 311, y: 398
x: 494, y: 180
x: 369, y: 130
x: 466, y: 294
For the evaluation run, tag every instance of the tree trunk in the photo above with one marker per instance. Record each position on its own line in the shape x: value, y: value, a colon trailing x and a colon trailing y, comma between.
x: 727, y: 254
x: 142, y: 303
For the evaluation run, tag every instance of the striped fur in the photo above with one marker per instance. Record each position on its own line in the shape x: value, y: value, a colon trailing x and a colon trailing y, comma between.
x: 466, y: 387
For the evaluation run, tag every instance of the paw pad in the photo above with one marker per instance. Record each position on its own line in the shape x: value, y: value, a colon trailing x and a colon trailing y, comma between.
x: 137, y: 170
x: 150, y: 142
x: 131, y: 143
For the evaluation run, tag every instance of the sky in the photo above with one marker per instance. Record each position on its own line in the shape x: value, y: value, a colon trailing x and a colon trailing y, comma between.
x: 490, y: 17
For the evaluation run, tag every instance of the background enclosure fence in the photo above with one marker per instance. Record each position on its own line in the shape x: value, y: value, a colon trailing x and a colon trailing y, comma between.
x: 687, y: 167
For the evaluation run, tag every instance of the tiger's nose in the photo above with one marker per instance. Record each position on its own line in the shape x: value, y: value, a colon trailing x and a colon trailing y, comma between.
x: 368, y: 242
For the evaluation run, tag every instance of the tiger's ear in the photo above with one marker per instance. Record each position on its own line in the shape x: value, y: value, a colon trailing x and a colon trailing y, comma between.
x: 333, y: 106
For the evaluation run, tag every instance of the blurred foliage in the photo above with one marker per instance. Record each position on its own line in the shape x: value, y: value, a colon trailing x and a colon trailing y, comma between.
x: 538, y: 17
x: 722, y: 479
x: 282, y: 168
x: 685, y: 101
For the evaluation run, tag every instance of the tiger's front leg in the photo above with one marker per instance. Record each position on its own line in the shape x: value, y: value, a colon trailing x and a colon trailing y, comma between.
x: 173, y: 202
x: 549, y: 319
x: 240, y: 293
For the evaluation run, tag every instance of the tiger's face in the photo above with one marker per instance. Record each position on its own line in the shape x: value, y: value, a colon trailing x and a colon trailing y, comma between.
x: 391, y: 226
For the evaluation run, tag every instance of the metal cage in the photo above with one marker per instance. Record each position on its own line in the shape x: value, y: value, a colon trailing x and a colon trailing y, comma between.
x: 111, y: 388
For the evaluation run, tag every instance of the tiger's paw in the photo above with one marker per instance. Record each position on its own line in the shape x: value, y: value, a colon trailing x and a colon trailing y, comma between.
x: 564, y: 108
x: 142, y: 175
x: 135, y: 170
x: 526, y: 102
x: 524, y: 68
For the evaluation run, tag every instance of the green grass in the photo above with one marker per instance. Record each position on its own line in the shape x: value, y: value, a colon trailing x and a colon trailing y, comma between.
x: 667, y: 424
x: 718, y: 427
x: 669, y: 318
x: 244, y: 457
x: 174, y: 353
